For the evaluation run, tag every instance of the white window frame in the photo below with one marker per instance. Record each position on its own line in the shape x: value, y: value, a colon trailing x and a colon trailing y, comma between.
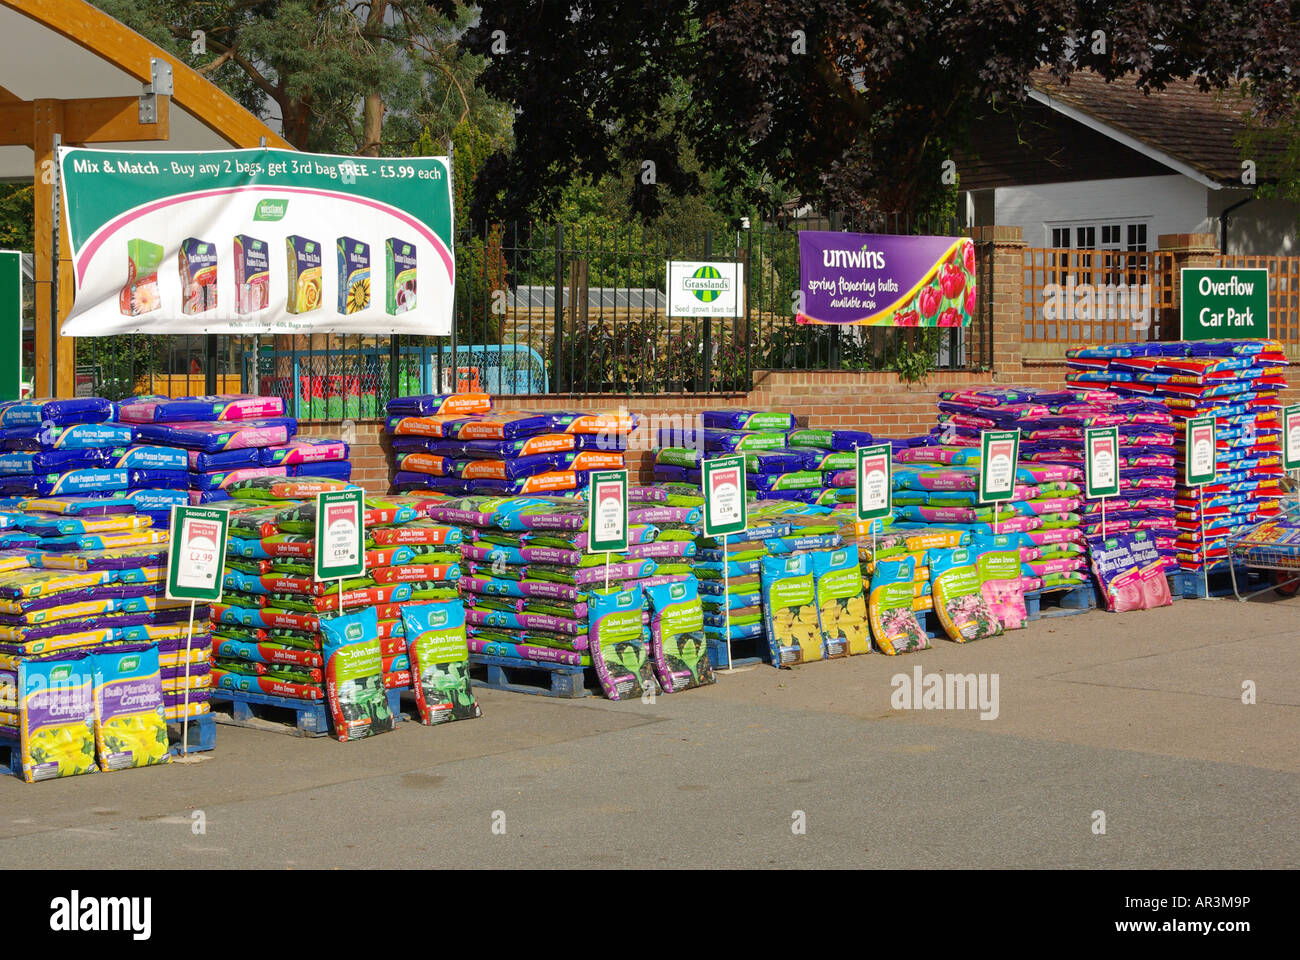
x: 1072, y: 226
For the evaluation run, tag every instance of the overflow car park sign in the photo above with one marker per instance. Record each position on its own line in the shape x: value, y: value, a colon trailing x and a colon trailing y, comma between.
x: 1224, y: 303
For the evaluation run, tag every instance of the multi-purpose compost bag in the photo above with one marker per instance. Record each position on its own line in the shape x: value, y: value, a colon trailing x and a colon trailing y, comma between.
x: 439, y: 657
x: 678, y: 651
x: 354, y: 667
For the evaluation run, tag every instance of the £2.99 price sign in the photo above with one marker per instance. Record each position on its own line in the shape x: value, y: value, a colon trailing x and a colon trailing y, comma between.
x: 340, y: 534
x: 875, y: 494
x: 999, y: 451
x: 197, y: 561
x: 607, y: 512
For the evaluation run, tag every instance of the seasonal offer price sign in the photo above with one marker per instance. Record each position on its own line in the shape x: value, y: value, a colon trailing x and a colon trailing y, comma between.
x: 724, y: 496
x: 257, y: 241
x: 607, y: 512
x: 1291, y: 437
x: 875, y: 493
x: 1101, y: 462
x: 197, y: 559
x: 1199, y: 451
x: 999, y: 453
x: 340, y: 534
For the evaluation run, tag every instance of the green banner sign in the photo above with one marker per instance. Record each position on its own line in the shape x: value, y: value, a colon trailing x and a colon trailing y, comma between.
x: 197, y: 560
x: 1224, y: 303
x: 1291, y: 437
x: 607, y: 512
x: 340, y: 534
x: 999, y: 455
x: 11, y: 325
x: 724, y: 495
x: 1199, y: 451
x: 875, y: 485
x: 1101, y: 461
x: 257, y: 241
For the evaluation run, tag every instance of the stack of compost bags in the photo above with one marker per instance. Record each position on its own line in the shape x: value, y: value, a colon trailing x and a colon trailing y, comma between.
x: 1239, y: 384
x: 1052, y: 428
x: 231, y: 437
x: 456, y: 444
x: 533, y: 593
x: 268, y: 635
x: 74, y: 448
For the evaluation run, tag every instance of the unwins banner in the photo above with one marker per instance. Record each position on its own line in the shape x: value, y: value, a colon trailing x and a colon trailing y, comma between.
x: 875, y: 280
x: 257, y: 241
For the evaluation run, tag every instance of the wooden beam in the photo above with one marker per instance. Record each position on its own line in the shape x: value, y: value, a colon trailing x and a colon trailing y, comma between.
x: 113, y: 120
x: 16, y: 124
x: 48, y: 116
x: 7, y: 96
x: 118, y: 44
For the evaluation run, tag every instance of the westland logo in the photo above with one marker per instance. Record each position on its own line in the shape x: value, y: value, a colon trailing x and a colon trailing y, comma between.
x: 874, y: 259
x: 60, y: 673
x: 354, y: 631
x: 951, y: 691
x: 706, y: 284
x: 438, y: 618
x: 271, y: 209
x: 127, y: 664
x: 677, y: 591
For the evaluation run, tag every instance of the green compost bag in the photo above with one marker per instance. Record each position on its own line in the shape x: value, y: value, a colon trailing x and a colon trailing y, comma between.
x: 958, y: 600
x: 841, y: 604
x: 435, y: 641
x: 354, y: 676
x: 678, y: 650
x: 790, y: 610
x: 618, y: 643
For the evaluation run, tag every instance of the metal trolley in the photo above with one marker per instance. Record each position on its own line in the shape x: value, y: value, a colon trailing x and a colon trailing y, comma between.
x: 1283, y: 560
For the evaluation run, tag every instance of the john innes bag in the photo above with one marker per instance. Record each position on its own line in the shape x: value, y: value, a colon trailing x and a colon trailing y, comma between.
x: 893, y: 622
x: 130, y: 717
x: 790, y: 610
x: 435, y: 639
x: 999, y: 573
x: 677, y: 648
x: 958, y: 602
x: 841, y: 605
x: 354, y: 682
x: 618, y: 648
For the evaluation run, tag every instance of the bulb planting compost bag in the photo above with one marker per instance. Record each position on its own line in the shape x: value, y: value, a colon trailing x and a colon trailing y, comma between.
x: 354, y: 682
x: 439, y: 655
x: 130, y: 717
x: 56, y: 716
x: 678, y: 651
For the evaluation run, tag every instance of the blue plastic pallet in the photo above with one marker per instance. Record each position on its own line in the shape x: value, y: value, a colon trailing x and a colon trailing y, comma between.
x: 202, y: 734
x: 1060, y: 601
x: 1191, y: 585
x: 11, y: 758
x: 744, y: 652
x: 298, y: 718
x: 566, y: 681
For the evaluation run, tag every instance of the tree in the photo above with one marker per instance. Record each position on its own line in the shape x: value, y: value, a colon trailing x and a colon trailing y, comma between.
x: 851, y: 102
x: 363, y: 77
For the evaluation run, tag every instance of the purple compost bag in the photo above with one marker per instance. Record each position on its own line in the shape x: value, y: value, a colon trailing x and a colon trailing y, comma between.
x: 60, y: 412
x: 49, y: 461
x: 748, y: 419
x: 68, y: 482
x: 212, y: 437
x: 142, y: 457
x: 302, y: 450
x: 329, y: 469
x: 201, y: 462
x: 80, y: 436
x: 439, y: 404
x: 221, y: 407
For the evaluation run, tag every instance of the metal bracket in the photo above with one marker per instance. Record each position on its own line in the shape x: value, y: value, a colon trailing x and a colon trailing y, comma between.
x: 160, y: 74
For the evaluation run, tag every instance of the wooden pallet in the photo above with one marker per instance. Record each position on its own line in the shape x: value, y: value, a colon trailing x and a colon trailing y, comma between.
x: 298, y: 718
x: 202, y: 734
x: 1060, y: 601
x: 538, y: 677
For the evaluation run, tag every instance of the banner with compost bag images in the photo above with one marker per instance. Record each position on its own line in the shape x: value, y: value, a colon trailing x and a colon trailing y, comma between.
x: 864, y: 279
x: 257, y: 241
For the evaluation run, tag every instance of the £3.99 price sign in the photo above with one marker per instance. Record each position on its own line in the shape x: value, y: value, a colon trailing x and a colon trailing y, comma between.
x: 197, y: 561
x: 607, y: 512
x: 340, y: 534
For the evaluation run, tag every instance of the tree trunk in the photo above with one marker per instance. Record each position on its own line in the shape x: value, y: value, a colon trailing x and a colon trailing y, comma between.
x: 373, y: 119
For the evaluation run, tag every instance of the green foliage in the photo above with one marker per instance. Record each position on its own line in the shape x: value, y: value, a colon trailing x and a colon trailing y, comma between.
x: 17, y: 225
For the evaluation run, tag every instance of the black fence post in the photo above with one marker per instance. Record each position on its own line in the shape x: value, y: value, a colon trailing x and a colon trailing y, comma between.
x: 834, y: 358
x: 558, y: 378
x: 210, y: 364
x: 708, y: 324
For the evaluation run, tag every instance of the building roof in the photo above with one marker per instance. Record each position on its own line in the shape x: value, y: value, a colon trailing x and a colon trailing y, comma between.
x: 1191, y: 131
